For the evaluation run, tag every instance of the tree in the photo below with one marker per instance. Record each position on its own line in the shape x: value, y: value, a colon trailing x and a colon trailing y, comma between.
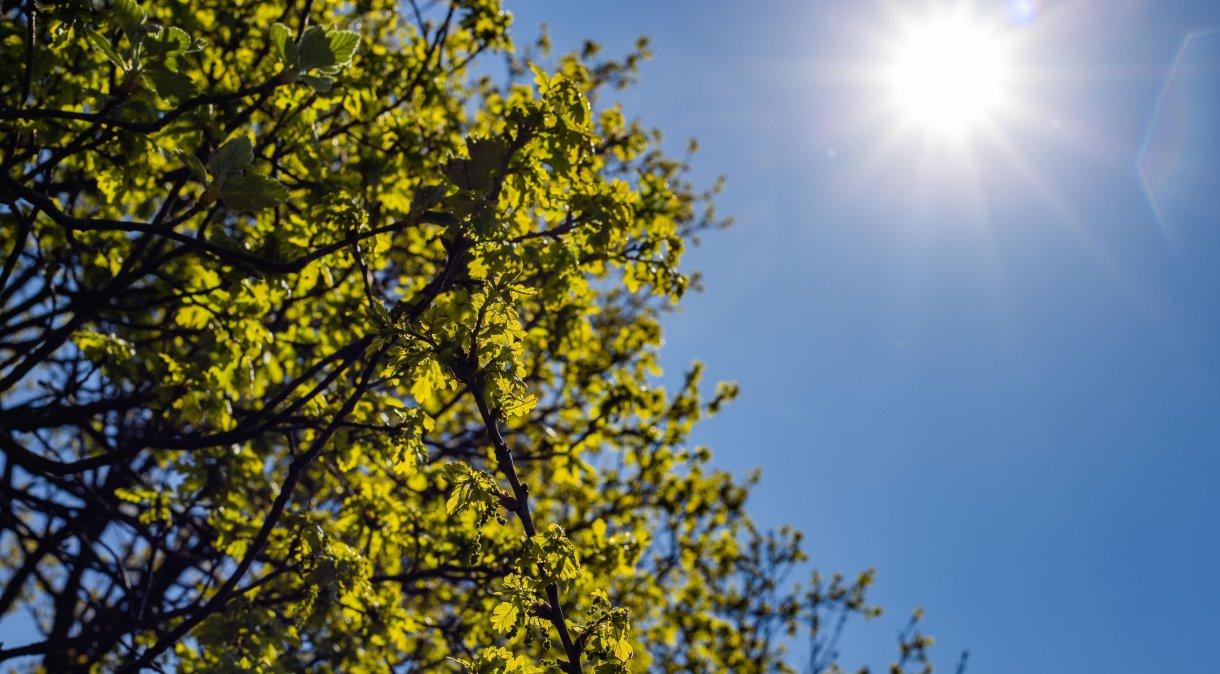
x: 321, y: 349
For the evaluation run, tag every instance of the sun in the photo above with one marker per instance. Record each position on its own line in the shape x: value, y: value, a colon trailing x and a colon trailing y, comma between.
x: 949, y: 75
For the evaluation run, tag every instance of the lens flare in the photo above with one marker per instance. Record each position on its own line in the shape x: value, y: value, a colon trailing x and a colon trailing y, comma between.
x: 1023, y: 11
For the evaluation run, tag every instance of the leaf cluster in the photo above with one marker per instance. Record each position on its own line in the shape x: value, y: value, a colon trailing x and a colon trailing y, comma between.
x: 320, y: 350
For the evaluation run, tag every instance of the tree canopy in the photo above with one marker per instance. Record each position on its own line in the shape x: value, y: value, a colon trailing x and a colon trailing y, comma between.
x: 325, y: 346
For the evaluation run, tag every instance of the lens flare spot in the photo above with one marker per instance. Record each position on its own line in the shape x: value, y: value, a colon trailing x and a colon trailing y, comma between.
x: 1023, y: 11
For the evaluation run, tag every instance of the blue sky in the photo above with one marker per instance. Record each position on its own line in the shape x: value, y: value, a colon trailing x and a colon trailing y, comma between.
x: 987, y: 367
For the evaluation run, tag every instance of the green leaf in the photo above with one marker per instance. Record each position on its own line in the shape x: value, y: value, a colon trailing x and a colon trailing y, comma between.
x: 328, y: 51
x: 129, y: 17
x: 518, y: 405
x: 313, y: 51
x: 457, y: 500
x: 320, y: 83
x: 170, y: 85
x: 504, y: 617
x: 541, y: 79
x: 343, y: 45
x: 177, y: 38
x: 102, y: 44
x: 235, y: 155
x: 285, y: 48
x: 252, y: 192
x: 192, y: 162
x: 622, y: 649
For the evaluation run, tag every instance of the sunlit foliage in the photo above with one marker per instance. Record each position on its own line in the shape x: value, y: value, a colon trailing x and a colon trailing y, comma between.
x: 325, y: 347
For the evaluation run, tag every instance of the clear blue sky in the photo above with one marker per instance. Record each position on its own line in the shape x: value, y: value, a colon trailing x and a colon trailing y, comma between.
x: 992, y: 372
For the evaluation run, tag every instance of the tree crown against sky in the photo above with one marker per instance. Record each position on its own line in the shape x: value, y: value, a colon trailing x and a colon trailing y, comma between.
x: 322, y: 349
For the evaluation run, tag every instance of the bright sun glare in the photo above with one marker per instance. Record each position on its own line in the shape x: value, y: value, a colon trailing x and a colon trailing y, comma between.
x: 949, y: 75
